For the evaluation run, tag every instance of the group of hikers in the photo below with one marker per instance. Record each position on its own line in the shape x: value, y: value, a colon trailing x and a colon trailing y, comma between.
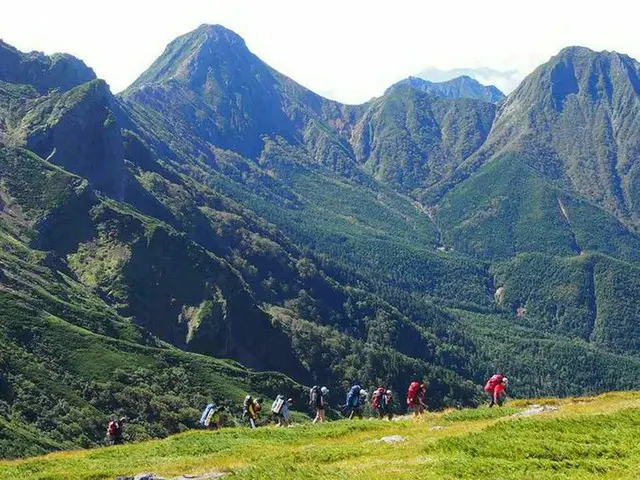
x: 381, y: 404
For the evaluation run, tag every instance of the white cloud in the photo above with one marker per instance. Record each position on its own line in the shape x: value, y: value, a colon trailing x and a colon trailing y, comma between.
x: 353, y: 49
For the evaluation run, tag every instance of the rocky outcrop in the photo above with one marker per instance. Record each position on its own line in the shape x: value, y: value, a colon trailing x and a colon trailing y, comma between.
x: 151, y: 476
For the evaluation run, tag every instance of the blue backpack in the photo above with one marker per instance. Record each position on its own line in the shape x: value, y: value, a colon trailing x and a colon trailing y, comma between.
x: 353, y: 397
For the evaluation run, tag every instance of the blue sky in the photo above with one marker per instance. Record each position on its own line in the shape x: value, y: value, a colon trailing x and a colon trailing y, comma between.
x: 346, y: 50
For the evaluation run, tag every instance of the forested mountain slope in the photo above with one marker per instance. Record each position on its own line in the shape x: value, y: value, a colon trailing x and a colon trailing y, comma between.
x: 216, y: 208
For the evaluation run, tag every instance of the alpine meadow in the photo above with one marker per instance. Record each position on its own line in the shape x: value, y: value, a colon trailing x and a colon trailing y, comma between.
x: 217, y: 230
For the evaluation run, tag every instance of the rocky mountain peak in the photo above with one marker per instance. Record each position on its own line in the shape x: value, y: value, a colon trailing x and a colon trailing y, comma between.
x: 587, y: 75
x: 209, y: 50
x: 43, y: 72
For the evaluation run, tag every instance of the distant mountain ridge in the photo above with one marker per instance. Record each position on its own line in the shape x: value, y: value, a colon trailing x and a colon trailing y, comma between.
x: 505, y: 80
x: 459, y: 87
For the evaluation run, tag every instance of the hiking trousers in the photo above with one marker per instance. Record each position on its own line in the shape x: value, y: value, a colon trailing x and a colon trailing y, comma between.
x: 355, y: 412
x: 493, y: 402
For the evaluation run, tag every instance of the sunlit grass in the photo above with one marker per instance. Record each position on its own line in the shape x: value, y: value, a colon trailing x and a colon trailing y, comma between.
x: 585, y: 438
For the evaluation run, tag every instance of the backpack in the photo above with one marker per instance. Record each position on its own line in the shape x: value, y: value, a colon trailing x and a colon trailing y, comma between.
x: 210, y: 415
x: 205, y: 413
x: 353, y: 397
x: 412, y: 393
x: 314, y: 396
x: 113, y: 430
x: 247, y: 403
x: 493, y: 381
x: 377, y: 400
x: 277, y: 405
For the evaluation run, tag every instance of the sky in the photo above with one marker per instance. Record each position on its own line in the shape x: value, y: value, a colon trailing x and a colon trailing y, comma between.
x: 347, y: 50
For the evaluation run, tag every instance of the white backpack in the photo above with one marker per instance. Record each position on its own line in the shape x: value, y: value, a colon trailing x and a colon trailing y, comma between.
x: 277, y: 405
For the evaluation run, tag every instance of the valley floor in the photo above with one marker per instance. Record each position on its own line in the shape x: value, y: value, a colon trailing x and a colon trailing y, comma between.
x: 570, y: 438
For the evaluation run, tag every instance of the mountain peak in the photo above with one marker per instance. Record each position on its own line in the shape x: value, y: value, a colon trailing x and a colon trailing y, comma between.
x: 236, y: 96
x: 190, y: 57
x: 582, y: 74
x: 578, y: 55
x: 574, y: 50
x: 218, y: 32
x: 463, y: 86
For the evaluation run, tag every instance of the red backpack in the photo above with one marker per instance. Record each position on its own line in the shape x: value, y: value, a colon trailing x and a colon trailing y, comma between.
x: 493, y: 381
x: 412, y: 393
x: 377, y: 395
x: 113, y: 429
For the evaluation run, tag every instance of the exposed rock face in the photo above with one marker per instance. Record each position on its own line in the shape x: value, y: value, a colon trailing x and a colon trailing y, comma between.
x: 393, y: 439
x: 78, y: 131
x: 536, y: 410
x: 151, y: 476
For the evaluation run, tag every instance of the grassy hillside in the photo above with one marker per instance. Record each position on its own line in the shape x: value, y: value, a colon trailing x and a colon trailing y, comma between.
x: 68, y: 360
x: 571, y: 438
x: 60, y: 383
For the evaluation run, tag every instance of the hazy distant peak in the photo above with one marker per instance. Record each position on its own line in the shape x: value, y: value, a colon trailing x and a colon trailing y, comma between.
x: 505, y: 80
x: 460, y: 87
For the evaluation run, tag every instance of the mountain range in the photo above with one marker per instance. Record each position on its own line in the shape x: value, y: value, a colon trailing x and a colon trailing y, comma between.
x: 217, y: 229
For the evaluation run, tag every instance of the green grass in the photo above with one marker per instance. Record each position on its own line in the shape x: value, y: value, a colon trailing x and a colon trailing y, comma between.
x: 585, y: 438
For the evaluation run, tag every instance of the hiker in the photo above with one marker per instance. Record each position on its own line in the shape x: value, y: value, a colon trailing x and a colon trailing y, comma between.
x: 210, y: 417
x: 499, y: 393
x: 280, y: 408
x: 214, y: 420
x: 490, y: 386
x: 355, y: 399
x: 415, y: 398
x: 252, y: 409
x: 318, y: 400
x: 364, y: 395
x: 387, y: 406
x: 381, y: 402
x: 115, y: 431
